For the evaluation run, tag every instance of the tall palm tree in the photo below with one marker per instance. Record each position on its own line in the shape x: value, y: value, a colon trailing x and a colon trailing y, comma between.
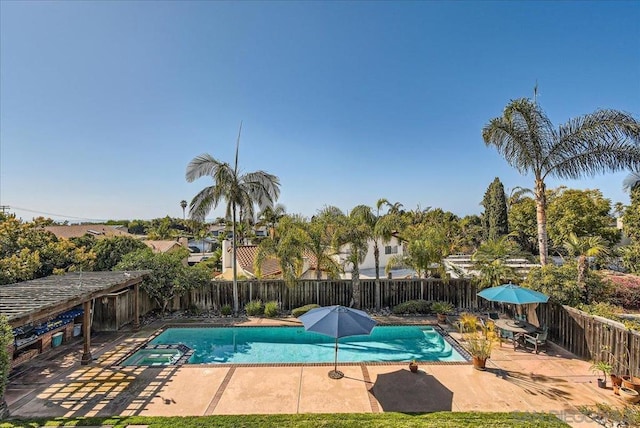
x: 183, y: 205
x: 239, y: 191
x: 352, y: 231
x: 583, y: 248
x: 319, y: 244
x: 602, y: 141
x: 270, y: 217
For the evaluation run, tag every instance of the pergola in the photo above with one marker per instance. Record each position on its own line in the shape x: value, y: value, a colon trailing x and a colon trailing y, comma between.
x: 43, y: 298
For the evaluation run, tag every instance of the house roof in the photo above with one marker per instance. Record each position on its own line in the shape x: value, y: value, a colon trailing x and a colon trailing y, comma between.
x: 78, y: 230
x: 162, y: 246
x: 270, y: 267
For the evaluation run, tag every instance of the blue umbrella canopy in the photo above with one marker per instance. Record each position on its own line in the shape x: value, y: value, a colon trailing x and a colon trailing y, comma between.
x: 337, y: 322
x: 511, y: 293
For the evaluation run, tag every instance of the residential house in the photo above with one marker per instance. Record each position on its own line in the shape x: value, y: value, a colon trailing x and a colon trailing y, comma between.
x: 388, y: 250
x: 270, y: 269
x: 165, y: 246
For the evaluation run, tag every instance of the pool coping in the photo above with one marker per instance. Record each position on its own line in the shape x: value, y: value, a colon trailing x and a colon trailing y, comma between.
x: 182, y: 361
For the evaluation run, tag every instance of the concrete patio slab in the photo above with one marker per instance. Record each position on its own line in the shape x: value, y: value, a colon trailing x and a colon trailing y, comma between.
x: 260, y: 390
x: 321, y: 394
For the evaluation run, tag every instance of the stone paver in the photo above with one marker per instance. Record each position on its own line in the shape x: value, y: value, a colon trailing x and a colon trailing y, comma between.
x: 321, y: 394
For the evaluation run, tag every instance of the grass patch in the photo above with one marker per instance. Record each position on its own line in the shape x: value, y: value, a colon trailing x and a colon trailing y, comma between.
x: 395, y: 420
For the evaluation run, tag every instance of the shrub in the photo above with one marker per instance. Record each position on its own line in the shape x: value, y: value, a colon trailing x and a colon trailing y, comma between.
x: 413, y: 307
x: 254, y: 307
x: 225, y: 310
x: 442, y: 308
x: 303, y: 309
x: 271, y: 309
x: 626, y: 291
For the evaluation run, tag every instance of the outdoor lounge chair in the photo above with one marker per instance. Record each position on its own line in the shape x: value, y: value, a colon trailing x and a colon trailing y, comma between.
x: 538, y: 340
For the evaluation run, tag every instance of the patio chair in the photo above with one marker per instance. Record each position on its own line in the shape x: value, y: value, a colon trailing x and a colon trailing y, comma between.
x: 538, y: 340
x: 521, y: 317
x: 508, y: 336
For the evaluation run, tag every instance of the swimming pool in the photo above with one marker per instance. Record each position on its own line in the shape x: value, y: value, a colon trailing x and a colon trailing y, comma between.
x: 264, y: 345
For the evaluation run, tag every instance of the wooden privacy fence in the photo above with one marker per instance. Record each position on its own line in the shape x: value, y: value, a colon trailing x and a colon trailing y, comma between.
x: 460, y: 292
x: 592, y: 337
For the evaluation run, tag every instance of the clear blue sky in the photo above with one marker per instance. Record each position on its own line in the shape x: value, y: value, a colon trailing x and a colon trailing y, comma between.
x: 103, y: 104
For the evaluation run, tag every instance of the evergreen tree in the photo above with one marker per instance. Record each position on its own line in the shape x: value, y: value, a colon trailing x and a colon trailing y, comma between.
x: 495, y: 222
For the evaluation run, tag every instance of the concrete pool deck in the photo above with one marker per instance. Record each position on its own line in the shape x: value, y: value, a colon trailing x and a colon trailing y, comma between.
x: 57, y: 385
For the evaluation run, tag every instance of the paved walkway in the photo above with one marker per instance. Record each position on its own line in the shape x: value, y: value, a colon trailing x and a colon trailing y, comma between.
x: 56, y: 385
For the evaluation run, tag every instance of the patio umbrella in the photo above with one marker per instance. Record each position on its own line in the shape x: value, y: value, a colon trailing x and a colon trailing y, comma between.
x: 514, y: 294
x: 337, y: 322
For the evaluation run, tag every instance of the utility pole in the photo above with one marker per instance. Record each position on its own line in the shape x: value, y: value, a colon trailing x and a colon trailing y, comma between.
x: 4, y: 209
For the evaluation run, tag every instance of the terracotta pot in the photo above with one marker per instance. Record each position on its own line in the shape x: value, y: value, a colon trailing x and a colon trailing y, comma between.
x: 413, y: 367
x: 479, y: 363
x: 628, y: 382
x: 442, y: 318
x: 629, y: 395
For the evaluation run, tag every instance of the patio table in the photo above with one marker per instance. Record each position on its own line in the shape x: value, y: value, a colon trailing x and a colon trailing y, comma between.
x: 518, y: 328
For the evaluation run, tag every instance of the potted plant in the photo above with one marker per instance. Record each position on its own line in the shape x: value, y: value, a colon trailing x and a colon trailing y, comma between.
x: 442, y: 309
x: 480, y: 344
x: 413, y: 366
x: 604, y: 368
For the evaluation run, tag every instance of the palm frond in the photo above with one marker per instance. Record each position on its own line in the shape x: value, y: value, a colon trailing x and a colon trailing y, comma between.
x: 631, y: 181
x: 203, y: 165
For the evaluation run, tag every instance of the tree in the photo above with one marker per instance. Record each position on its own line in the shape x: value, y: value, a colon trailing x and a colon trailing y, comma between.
x: 522, y: 223
x: 495, y: 222
x: 319, y: 244
x: 379, y: 229
x: 183, y: 205
x: 28, y: 251
x: 602, y: 141
x: 583, y: 248
x: 239, y: 191
x: 469, y: 235
x: 270, y: 216
x: 631, y: 224
x: 559, y: 283
x: 426, y: 246
x: 169, y: 276
x: 6, y: 338
x: 109, y: 251
x: 579, y: 212
x: 287, y: 247
x: 352, y: 232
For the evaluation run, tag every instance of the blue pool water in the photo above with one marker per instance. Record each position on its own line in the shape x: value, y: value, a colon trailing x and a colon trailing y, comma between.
x: 295, y: 345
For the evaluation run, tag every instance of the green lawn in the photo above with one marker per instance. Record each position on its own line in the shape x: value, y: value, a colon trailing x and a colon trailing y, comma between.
x: 395, y: 420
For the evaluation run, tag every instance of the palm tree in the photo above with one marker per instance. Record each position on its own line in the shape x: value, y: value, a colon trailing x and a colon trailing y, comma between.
x: 352, y: 231
x: 240, y: 191
x: 583, y: 248
x: 603, y: 141
x: 183, y: 205
x: 287, y: 247
x: 631, y: 181
x: 270, y: 217
x: 618, y: 208
x: 318, y: 244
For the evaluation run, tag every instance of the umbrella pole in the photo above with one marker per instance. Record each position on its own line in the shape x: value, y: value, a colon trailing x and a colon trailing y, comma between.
x: 335, y: 374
